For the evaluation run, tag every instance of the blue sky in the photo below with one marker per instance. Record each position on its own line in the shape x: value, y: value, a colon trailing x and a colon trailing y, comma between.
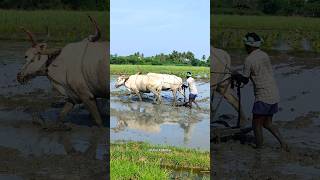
x: 160, y: 26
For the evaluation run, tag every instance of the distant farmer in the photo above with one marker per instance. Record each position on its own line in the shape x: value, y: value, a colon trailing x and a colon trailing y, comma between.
x: 258, y: 68
x: 193, y: 92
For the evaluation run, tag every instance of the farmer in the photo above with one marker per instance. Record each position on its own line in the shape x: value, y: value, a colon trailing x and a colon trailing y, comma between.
x: 193, y: 92
x: 258, y: 68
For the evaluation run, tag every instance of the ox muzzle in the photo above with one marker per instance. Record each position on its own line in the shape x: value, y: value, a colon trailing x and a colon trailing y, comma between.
x: 23, y: 79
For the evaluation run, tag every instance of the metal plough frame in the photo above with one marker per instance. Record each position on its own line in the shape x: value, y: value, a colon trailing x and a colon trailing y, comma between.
x: 230, y: 132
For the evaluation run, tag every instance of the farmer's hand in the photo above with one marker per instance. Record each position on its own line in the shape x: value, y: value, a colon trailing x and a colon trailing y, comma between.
x: 234, y: 73
x: 239, y: 78
x: 184, y: 86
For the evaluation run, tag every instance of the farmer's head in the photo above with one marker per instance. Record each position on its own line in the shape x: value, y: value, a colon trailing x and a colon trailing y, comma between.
x: 189, y: 74
x: 252, y: 42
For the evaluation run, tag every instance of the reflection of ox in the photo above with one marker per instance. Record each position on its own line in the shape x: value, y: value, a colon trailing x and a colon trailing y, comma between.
x: 149, y: 119
x: 220, y: 77
x: 170, y: 82
x: 78, y: 71
x: 141, y: 83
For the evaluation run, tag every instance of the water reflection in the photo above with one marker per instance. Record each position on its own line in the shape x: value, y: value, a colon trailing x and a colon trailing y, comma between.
x: 149, y: 118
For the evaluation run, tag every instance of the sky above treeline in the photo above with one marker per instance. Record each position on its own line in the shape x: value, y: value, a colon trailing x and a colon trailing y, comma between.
x: 160, y: 26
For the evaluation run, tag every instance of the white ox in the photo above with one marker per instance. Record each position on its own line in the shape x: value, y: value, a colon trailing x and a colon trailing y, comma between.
x: 220, y: 78
x: 78, y: 71
x: 170, y: 82
x: 141, y: 84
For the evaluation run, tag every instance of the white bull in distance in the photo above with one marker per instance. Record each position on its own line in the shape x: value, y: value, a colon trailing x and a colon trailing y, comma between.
x: 79, y: 71
x: 220, y: 78
x: 151, y: 82
x: 141, y: 83
x: 170, y: 82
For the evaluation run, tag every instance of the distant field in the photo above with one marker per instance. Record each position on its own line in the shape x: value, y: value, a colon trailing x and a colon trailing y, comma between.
x: 63, y: 25
x: 297, y: 32
x: 267, y: 22
x: 203, y: 72
x: 137, y: 160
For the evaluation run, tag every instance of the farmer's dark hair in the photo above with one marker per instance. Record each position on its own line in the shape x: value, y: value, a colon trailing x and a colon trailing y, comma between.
x: 255, y: 36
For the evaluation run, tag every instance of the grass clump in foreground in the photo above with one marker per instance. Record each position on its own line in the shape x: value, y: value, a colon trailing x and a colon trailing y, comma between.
x: 228, y: 30
x: 63, y: 25
x: 203, y: 72
x: 139, y: 160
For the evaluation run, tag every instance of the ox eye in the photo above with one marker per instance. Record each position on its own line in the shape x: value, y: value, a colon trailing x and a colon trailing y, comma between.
x: 25, y: 57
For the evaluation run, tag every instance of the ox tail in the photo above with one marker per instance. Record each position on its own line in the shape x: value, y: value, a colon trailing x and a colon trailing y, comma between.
x: 181, y: 91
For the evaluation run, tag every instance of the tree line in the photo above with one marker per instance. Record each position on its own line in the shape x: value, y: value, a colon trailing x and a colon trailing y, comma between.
x: 101, y: 5
x: 174, y: 58
x: 271, y: 7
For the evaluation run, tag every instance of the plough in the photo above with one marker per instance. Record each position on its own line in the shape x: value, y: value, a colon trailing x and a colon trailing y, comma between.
x: 227, y: 132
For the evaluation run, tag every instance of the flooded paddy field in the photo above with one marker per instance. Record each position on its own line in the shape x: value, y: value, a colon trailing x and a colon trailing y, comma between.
x: 163, y: 126
x: 297, y: 76
x: 26, y: 149
x: 160, y: 123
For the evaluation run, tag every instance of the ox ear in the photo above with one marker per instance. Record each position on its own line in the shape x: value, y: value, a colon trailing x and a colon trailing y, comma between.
x: 50, y: 51
x: 138, y: 73
x: 125, y: 77
x: 43, y: 46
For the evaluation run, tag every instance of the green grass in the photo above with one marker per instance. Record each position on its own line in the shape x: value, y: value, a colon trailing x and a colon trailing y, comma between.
x: 138, y: 160
x: 267, y: 22
x: 203, y: 72
x: 63, y: 25
x: 125, y: 169
x: 227, y: 30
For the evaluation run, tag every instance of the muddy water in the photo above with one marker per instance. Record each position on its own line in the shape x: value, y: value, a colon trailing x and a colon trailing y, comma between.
x: 160, y: 124
x: 297, y: 76
x: 22, y: 139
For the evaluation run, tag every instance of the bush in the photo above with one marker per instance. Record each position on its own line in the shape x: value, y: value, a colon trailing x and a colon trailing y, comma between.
x: 175, y: 58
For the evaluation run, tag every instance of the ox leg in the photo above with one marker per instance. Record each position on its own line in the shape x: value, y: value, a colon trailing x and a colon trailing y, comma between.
x: 174, y: 93
x: 93, y: 108
x: 141, y: 94
x: 157, y: 95
x: 66, y: 109
x: 233, y: 100
x: 138, y: 94
x: 63, y: 113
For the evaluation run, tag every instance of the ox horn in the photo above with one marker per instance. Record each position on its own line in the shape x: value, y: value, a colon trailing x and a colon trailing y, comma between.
x: 30, y: 36
x: 51, y: 52
x: 97, y: 34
